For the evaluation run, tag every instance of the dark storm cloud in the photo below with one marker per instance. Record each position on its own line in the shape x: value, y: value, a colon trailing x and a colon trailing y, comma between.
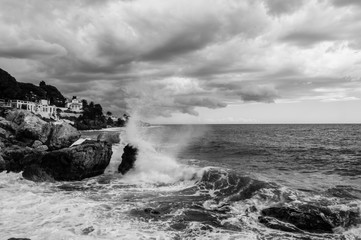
x: 200, y: 102
x: 28, y: 48
x: 306, y: 38
x: 26, y: 52
x: 247, y: 91
x: 174, y: 56
x: 258, y: 94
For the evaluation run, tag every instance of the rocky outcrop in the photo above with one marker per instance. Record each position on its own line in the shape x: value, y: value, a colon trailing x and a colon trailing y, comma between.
x: 308, y: 218
x: 42, y: 150
x: 62, y: 135
x: 76, y: 163
x: 36, y: 174
x: 30, y: 127
x: 27, y: 128
x: 17, y: 157
x: 128, y: 158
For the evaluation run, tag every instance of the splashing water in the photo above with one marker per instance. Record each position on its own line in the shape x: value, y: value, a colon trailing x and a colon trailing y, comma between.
x: 155, y: 164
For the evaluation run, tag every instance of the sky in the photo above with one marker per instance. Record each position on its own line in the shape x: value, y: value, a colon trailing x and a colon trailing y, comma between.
x: 193, y: 61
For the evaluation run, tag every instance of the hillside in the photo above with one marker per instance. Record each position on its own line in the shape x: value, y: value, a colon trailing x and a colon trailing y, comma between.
x: 11, y: 89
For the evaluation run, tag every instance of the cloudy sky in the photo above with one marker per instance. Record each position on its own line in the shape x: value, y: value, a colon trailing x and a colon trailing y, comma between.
x: 193, y: 61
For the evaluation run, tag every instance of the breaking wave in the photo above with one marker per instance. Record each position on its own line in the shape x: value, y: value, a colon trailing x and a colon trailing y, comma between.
x: 168, y: 197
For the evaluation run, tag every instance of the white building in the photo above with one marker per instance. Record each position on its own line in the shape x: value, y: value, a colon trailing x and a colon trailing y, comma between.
x: 75, y: 105
x: 42, y: 107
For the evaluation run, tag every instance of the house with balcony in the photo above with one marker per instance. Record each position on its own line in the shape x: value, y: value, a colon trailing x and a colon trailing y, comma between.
x: 75, y: 105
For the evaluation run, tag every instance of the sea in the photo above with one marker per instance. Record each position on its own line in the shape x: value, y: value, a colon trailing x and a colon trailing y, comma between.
x: 200, y: 182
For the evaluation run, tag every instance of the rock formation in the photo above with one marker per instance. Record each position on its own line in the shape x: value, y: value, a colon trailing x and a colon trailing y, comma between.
x: 42, y: 150
x: 62, y: 135
x: 70, y: 164
x: 310, y: 218
x: 128, y: 158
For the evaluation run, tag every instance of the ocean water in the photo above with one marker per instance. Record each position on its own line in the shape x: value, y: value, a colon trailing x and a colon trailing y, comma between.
x: 198, y: 182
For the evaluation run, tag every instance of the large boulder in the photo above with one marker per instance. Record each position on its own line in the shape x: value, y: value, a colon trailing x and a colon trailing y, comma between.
x: 16, y: 158
x: 309, y: 218
x: 71, y: 164
x: 36, y: 174
x: 30, y: 127
x: 128, y: 158
x: 62, y: 136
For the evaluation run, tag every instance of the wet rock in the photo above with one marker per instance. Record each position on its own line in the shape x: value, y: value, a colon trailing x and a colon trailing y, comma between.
x: 147, y: 213
x: 76, y: 163
x: 36, y: 174
x: 128, y: 158
x: 17, y: 157
x: 110, y: 137
x: 151, y: 211
x: 311, y: 218
x: 88, y: 230
x: 62, y: 136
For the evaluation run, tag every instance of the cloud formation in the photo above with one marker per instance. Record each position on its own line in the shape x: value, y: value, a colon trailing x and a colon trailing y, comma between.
x: 165, y: 57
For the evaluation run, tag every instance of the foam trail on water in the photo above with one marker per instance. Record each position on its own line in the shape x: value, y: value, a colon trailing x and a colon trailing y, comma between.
x: 152, y: 165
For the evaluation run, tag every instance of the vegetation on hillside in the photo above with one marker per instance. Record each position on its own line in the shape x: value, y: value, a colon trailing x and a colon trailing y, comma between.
x: 11, y: 89
x: 91, y: 118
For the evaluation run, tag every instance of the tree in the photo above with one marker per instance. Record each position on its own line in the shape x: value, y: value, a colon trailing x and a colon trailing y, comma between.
x: 110, y: 121
x: 42, y: 84
x: 85, y: 103
x: 98, y: 111
x: 109, y: 113
x: 120, y: 122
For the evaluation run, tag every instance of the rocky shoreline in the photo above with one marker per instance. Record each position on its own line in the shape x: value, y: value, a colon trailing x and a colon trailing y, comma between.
x: 44, y: 151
